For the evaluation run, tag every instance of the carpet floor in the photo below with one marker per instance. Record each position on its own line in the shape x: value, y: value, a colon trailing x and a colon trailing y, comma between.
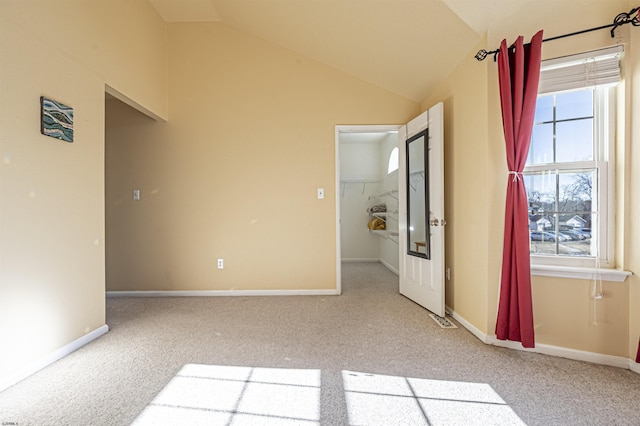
x: 367, y: 357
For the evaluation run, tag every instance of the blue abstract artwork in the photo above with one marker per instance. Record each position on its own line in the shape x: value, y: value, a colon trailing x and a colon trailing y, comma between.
x: 57, y: 120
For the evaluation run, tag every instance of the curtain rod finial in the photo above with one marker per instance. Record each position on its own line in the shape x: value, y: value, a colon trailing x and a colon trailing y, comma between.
x: 481, y: 55
x: 626, y: 18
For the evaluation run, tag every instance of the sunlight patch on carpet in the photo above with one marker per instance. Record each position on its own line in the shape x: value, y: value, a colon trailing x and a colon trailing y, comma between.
x: 391, y: 400
x: 232, y: 396
x: 224, y: 395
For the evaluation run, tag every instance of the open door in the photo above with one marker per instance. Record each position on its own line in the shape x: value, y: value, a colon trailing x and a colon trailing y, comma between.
x: 421, y: 210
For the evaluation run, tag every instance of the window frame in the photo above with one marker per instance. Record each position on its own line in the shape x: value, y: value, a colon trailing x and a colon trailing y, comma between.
x: 604, y: 120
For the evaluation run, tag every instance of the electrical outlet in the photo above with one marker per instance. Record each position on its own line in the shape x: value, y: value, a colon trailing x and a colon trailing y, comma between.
x: 220, y: 263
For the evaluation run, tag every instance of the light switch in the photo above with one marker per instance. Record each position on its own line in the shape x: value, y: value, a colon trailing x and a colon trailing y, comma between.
x: 320, y: 193
x: 136, y: 194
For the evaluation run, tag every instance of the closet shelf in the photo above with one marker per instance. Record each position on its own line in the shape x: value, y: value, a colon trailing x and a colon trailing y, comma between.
x: 389, y: 235
x: 391, y: 193
x: 392, y: 215
x: 363, y: 182
x: 385, y: 215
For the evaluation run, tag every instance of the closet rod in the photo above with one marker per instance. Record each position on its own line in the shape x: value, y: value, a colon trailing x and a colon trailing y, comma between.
x: 620, y: 20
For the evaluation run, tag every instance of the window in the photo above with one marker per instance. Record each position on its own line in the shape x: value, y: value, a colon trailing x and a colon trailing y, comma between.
x: 569, y: 170
x: 394, y: 161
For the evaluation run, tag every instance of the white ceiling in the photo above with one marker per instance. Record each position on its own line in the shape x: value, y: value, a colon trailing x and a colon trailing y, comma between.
x: 404, y: 46
x: 363, y: 138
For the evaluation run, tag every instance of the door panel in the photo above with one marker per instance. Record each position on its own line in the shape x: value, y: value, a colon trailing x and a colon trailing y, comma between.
x: 421, y: 279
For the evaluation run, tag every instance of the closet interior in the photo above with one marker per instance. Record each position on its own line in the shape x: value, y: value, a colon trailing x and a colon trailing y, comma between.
x: 369, y: 198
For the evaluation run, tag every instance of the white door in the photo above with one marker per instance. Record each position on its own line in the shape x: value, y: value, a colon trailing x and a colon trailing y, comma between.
x: 421, y: 233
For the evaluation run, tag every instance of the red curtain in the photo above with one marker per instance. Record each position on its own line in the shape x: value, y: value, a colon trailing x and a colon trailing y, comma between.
x: 638, y: 356
x: 519, y: 75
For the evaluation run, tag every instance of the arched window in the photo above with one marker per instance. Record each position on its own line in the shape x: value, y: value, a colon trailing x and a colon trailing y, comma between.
x: 393, y: 161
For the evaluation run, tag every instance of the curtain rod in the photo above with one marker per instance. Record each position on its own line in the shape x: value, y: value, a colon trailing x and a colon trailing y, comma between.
x: 620, y: 20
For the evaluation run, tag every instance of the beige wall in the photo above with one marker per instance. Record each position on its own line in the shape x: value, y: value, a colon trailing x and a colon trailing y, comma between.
x: 565, y: 315
x: 476, y: 182
x: 121, y: 42
x: 52, y: 249
x: 467, y: 188
x: 234, y: 172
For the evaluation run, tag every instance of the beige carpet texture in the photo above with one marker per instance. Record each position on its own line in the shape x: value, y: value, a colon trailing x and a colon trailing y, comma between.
x: 367, y: 357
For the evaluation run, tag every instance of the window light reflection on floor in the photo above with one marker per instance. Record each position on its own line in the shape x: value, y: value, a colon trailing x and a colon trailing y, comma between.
x: 228, y: 395
x: 223, y: 395
x: 392, y: 400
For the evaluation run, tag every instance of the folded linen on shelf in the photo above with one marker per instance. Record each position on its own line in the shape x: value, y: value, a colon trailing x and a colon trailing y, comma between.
x: 378, y: 208
x: 377, y: 224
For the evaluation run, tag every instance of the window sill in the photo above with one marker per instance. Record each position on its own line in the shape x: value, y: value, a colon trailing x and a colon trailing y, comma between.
x: 613, y: 275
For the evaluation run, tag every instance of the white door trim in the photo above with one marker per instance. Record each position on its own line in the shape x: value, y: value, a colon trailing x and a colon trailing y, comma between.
x: 376, y: 128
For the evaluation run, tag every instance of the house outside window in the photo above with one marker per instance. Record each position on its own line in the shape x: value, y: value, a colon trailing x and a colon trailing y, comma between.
x: 569, y: 171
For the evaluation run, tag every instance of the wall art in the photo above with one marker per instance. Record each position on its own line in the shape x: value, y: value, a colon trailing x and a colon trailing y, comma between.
x: 56, y: 120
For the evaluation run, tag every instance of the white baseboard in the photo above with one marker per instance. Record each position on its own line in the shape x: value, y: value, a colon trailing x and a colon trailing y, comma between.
x: 358, y: 260
x: 634, y: 366
x: 52, y: 357
x: 466, y: 324
x: 386, y: 264
x: 390, y: 267
x: 596, y: 358
x: 222, y: 293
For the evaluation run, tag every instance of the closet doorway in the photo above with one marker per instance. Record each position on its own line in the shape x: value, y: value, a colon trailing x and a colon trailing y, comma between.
x: 367, y: 160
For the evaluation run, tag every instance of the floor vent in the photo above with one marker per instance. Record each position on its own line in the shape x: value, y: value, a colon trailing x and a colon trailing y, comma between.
x: 442, y: 321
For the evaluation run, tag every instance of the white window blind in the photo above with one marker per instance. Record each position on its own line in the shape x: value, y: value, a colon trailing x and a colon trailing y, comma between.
x: 579, y: 71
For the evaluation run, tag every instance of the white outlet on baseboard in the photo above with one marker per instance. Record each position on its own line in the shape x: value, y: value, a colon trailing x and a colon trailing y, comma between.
x: 220, y: 263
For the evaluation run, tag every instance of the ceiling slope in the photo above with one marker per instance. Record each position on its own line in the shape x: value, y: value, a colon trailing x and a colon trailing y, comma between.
x: 186, y: 10
x: 404, y: 46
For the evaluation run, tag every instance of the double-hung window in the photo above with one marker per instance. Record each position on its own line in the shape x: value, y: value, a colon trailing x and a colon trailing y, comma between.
x: 569, y: 171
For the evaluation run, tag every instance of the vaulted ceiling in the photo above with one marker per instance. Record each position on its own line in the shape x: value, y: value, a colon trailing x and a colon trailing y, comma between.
x: 404, y: 46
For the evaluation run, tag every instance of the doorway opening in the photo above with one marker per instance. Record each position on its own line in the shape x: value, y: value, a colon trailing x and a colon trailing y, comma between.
x: 123, y: 116
x: 367, y: 161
